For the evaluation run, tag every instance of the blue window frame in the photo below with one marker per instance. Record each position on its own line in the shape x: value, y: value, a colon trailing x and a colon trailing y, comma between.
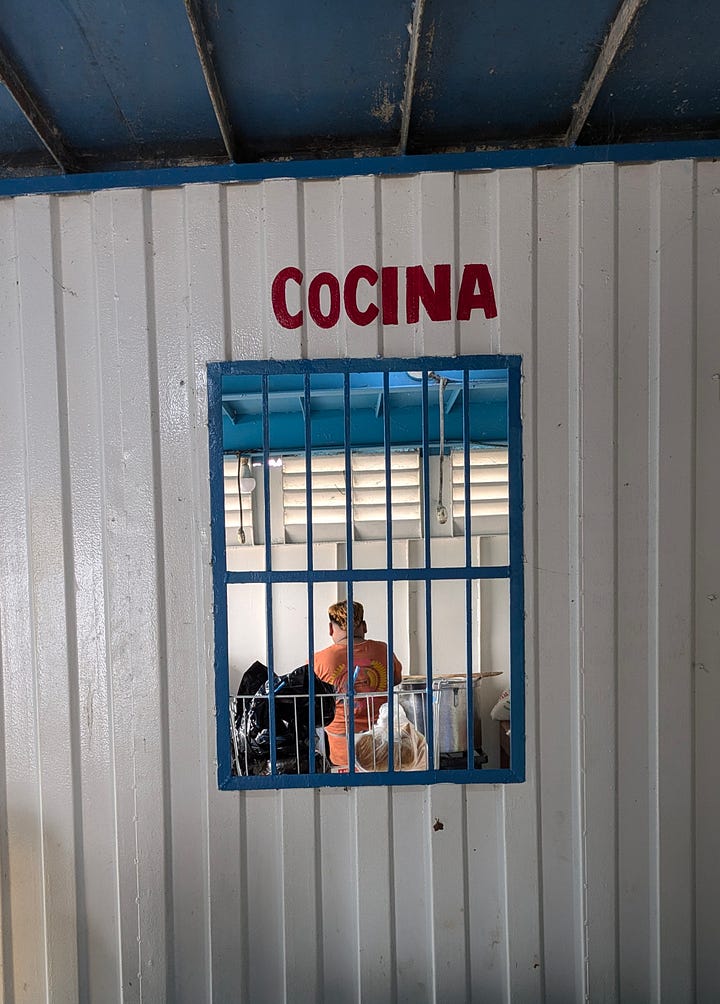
x: 269, y: 597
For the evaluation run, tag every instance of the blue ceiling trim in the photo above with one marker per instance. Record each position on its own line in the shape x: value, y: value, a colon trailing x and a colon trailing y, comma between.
x: 172, y: 177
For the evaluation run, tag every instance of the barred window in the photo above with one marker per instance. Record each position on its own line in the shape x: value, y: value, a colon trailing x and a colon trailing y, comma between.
x: 367, y: 560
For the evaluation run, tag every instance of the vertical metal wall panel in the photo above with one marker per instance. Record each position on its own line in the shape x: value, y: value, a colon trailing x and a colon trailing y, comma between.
x: 399, y: 222
x: 707, y: 586
x: 672, y: 369
x: 136, y: 619
x: 322, y: 250
x: 360, y: 235
x: 438, y: 234
x: 26, y: 944
x: 98, y: 915
x: 373, y: 851
x: 126, y: 875
x: 476, y: 221
x: 412, y: 898
x: 595, y: 426
x: 519, y: 881
x: 243, y: 265
x: 52, y: 607
x: 223, y: 819
x: 557, y: 573
x: 185, y: 767
x: 633, y: 600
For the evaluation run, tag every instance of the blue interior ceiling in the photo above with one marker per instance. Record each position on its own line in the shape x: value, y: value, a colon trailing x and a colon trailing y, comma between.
x: 128, y: 84
x: 243, y: 421
x: 116, y: 76
x: 17, y: 136
x: 650, y: 91
x: 506, y: 69
x: 310, y: 74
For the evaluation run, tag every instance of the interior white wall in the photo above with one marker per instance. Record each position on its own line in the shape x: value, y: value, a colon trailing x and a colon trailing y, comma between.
x: 125, y: 874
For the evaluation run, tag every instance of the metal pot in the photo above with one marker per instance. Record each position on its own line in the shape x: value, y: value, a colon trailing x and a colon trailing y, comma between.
x: 450, y: 715
x: 449, y: 702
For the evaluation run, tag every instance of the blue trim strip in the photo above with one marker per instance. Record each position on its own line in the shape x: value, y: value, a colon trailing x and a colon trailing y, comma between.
x: 171, y: 177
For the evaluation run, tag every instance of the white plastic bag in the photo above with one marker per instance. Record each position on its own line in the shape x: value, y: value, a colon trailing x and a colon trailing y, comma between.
x: 501, y: 710
x: 409, y: 746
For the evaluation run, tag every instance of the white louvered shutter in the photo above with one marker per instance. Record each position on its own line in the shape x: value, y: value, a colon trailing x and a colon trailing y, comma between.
x: 369, y: 497
x: 488, y: 489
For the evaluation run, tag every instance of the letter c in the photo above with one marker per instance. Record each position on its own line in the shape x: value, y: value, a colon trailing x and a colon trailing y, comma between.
x: 279, y: 299
x: 350, y: 288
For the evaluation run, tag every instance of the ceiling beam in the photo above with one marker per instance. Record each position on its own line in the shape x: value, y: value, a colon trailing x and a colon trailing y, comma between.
x: 609, y: 50
x: 42, y: 124
x: 204, y: 51
x: 415, y: 30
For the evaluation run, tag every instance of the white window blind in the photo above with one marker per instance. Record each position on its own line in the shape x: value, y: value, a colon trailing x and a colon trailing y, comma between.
x: 369, y: 497
x: 488, y: 489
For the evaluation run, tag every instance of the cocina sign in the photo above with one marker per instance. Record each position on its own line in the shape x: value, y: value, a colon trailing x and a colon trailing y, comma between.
x: 326, y: 295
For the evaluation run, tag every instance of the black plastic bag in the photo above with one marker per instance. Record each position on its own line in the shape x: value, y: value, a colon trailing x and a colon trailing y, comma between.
x: 292, y: 705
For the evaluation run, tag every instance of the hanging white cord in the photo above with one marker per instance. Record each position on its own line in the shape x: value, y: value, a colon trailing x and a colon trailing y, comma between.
x: 241, y: 531
x: 441, y: 511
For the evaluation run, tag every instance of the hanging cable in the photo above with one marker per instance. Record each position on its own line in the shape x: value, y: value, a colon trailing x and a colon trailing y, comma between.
x: 441, y: 511
x: 241, y: 531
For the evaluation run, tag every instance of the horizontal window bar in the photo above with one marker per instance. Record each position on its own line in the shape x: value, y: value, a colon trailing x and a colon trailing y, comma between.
x: 373, y: 574
x: 362, y: 365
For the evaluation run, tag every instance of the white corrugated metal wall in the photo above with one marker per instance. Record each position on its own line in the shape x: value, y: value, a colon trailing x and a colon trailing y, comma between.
x: 125, y: 874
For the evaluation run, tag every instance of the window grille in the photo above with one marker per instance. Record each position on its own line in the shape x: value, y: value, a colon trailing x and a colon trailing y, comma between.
x: 349, y: 455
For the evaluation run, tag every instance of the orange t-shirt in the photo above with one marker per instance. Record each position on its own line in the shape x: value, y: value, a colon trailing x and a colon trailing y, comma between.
x: 370, y: 676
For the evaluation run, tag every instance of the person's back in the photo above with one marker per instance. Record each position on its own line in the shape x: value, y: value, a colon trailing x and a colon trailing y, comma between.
x: 369, y: 667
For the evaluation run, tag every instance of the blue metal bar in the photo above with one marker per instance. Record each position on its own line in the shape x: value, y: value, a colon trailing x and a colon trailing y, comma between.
x: 273, y: 367
x: 269, y: 586
x: 469, y: 612
x: 217, y: 537
x: 466, y: 470
x: 348, y: 478
x: 350, y: 711
x: 554, y: 156
x: 387, y: 447
x: 429, y: 706
x: 310, y: 565
x: 373, y: 574
x: 372, y: 779
x: 517, y: 589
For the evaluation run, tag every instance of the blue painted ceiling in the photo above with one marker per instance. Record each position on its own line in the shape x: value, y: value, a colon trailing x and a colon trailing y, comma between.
x: 97, y: 85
